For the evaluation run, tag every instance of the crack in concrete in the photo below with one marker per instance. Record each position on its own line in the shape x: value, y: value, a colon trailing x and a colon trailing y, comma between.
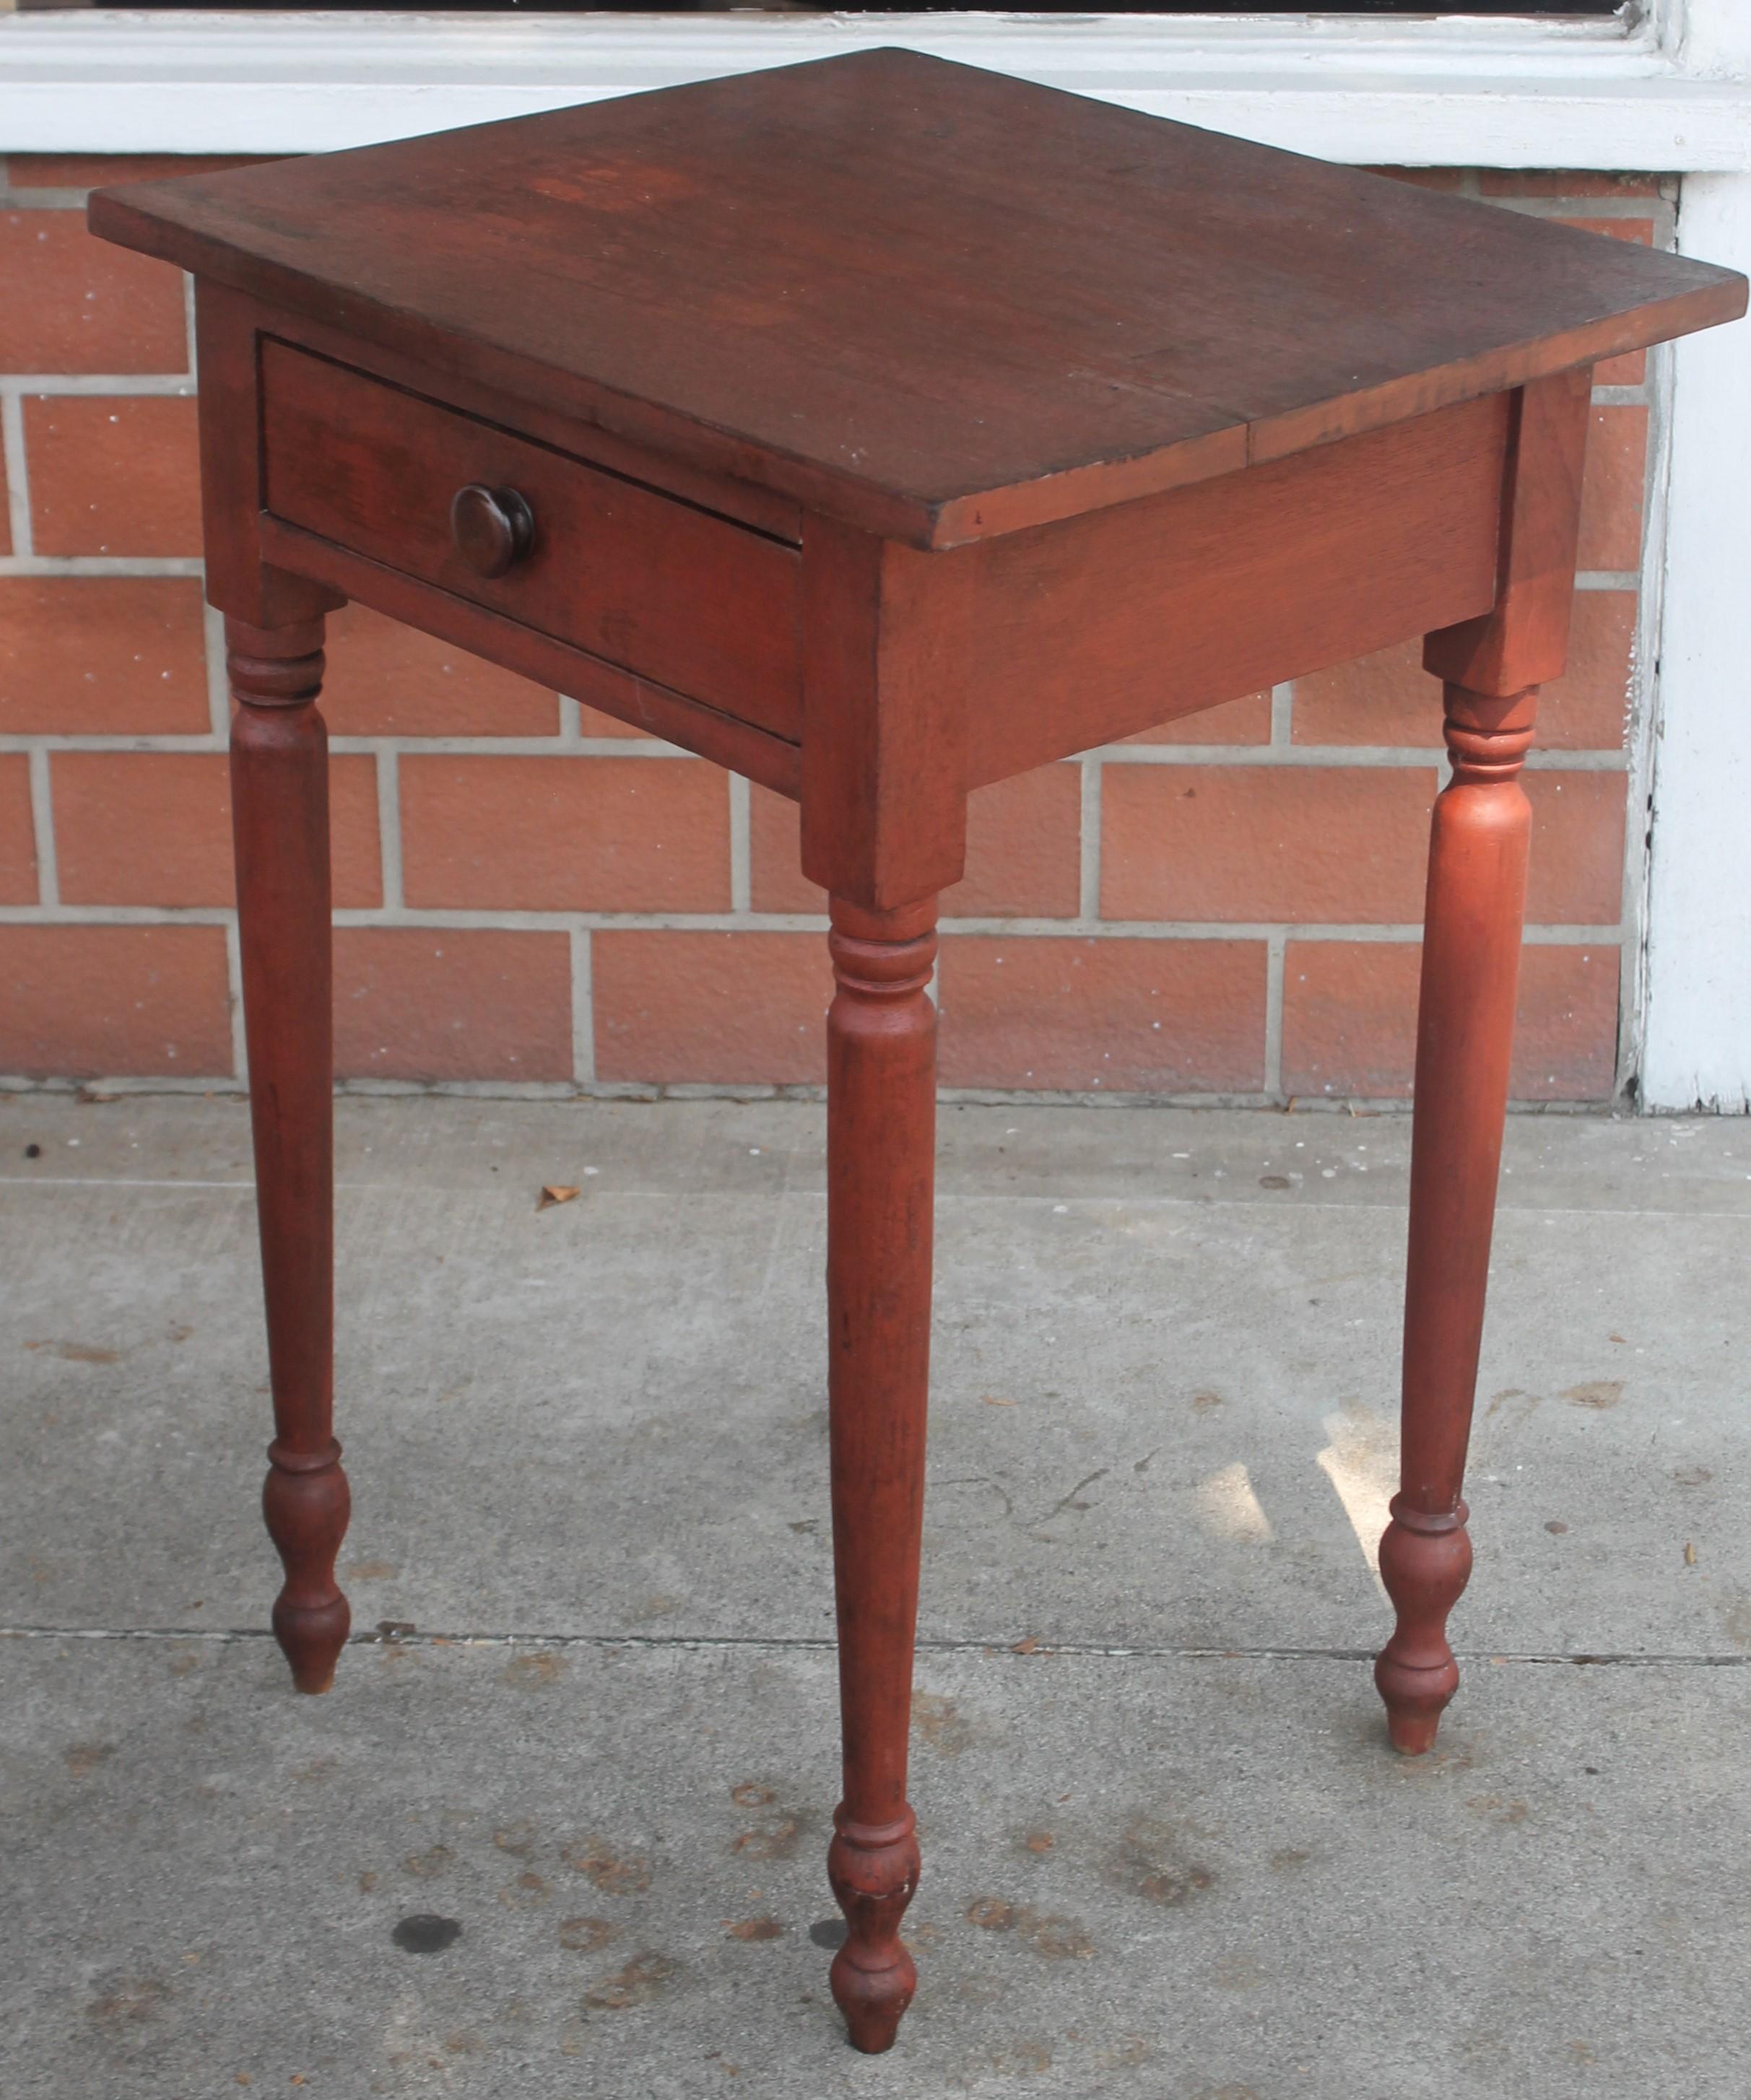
x: 412, y: 1637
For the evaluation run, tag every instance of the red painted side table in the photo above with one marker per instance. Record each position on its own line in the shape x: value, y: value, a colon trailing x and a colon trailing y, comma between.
x: 898, y: 427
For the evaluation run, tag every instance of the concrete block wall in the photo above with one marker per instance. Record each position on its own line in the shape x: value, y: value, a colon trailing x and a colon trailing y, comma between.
x: 529, y: 894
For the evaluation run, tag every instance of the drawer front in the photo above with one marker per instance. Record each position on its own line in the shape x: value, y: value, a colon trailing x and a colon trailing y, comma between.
x: 676, y: 594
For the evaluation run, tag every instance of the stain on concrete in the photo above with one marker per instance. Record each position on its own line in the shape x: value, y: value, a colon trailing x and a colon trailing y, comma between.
x: 528, y: 1672
x: 1499, y: 1399
x: 1027, y: 2059
x: 584, y: 1935
x: 1124, y: 2053
x: 642, y: 1979
x: 82, y: 1759
x: 424, y: 1932
x: 940, y: 1721
x: 1058, y: 1938
x: 616, y: 1874
x: 126, y: 2002
x: 756, y: 1928
x: 1598, y: 1394
x: 1238, y: 1972
x: 773, y: 1839
x: 77, y: 1352
x: 1154, y: 1861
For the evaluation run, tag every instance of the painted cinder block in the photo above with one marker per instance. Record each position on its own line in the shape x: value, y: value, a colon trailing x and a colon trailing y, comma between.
x: 503, y: 814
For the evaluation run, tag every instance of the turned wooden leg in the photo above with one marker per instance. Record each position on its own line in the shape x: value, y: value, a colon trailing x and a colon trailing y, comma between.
x: 280, y: 811
x: 1465, y: 1032
x: 880, y: 1141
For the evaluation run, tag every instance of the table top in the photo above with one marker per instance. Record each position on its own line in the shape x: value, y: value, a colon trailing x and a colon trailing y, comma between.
x: 931, y: 301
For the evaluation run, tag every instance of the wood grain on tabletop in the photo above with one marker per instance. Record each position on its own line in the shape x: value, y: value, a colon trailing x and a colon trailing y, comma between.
x: 933, y: 302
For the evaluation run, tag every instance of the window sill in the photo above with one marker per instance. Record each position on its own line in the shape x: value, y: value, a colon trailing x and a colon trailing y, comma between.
x: 1477, y: 92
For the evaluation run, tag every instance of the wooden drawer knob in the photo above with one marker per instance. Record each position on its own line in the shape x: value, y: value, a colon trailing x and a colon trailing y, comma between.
x: 493, y: 528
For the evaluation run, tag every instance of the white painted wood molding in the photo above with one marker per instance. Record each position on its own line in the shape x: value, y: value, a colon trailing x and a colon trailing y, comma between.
x: 1697, y: 1045
x: 1586, y: 92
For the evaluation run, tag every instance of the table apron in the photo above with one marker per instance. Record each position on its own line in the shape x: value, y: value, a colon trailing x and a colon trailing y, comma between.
x: 1127, y: 618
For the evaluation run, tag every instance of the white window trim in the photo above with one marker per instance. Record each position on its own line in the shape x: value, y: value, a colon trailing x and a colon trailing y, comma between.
x: 1647, y: 93
x: 1668, y: 90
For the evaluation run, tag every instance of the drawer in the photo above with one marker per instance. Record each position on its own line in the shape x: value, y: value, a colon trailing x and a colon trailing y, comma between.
x: 675, y: 594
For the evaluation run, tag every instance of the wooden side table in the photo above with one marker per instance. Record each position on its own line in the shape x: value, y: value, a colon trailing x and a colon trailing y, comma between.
x: 896, y: 427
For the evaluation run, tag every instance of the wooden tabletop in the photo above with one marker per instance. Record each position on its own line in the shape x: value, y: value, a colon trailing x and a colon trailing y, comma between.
x: 930, y: 301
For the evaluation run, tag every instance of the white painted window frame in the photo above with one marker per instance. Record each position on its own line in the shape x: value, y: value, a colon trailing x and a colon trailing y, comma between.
x: 1666, y: 89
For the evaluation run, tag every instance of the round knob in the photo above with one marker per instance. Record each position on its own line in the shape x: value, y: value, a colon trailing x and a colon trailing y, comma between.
x: 493, y: 528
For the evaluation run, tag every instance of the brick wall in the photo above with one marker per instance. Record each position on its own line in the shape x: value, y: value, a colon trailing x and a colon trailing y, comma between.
x: 528, y: 893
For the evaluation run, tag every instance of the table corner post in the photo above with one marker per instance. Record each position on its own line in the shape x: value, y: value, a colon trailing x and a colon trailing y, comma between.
x: 884, y: 816
x: 279, y: 814
x: 1491, y: 669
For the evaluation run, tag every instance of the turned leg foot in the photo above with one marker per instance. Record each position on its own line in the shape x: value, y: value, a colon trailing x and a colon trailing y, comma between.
x: 1425, y: 1561
x: 874, y: 1870
x: 307, y: 1502
x: 279, y: 773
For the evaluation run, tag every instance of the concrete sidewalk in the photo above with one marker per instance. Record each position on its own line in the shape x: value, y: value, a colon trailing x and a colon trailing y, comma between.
x: 1168, y: 1854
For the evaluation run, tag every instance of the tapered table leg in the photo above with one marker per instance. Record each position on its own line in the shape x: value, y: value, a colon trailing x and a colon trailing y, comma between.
x: 279, y: 780
x: 881, y: 1140
x: 1465, y: 1032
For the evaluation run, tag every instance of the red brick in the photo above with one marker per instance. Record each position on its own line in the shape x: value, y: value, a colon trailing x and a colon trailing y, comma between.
x: 738, y: 1009
x: 1385, y: 698
x: 1245, y: 721
x: 18, y: 842
x: 1575, y: 877
x: 86, y: 1002
x: 154, y: 827
x: 113, y: 474
x: 440, y: 1003
x: 384, y: 679
x: 1631, y: 368
x: 1389, y: 698
x: 1024, y: 851
x: 1611, y: 490
x: 599, y: 682
x: 777, y: 883
x: 96, y: 656
x: 1564, y: 182
x: 565, y: 834
x: 1423, y: 179
x: 1119, y: 1015
x: 90, y: 171
x: 79, y: 304
x: 1588, y: 708
x: 1350, y: 1020
x: 591, y: 721
x: 1276, y: 843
